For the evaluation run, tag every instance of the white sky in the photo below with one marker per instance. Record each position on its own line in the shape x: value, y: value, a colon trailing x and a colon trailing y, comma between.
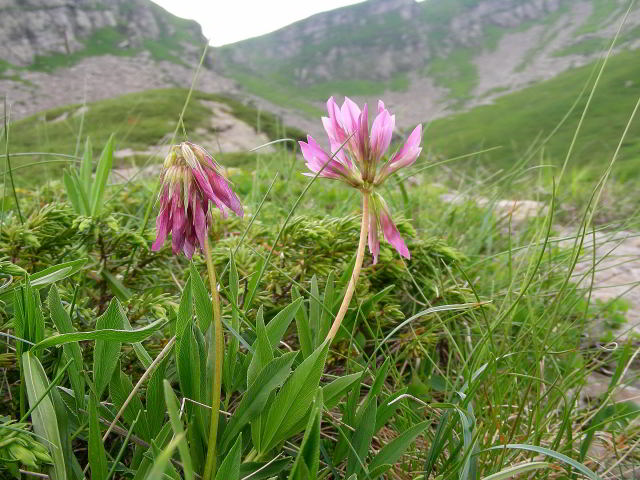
x: 228, y: 21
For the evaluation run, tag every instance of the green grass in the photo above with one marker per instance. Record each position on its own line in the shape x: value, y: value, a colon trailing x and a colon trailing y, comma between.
x: 455, y: 72
x: 522, y: 355
x: 102, y: 42
x: 586, y: 46
x: 602, y: 10
x: 514, y: 121
x: 138, y: 120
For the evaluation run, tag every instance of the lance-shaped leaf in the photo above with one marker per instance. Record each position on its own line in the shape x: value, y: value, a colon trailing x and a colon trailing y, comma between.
x: 43, y: 416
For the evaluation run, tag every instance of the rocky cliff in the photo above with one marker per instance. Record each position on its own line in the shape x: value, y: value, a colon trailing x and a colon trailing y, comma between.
x: 39, y: 29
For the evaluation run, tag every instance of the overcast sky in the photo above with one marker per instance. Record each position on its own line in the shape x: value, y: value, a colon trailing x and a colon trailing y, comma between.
x: 228, y: 21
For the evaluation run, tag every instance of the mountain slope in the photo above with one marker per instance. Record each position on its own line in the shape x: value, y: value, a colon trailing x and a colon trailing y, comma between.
x: 521, y: 121
x: 143, y: 124
x: 428, y: 58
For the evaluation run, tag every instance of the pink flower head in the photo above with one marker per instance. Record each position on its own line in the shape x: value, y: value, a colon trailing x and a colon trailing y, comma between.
x: 357, y: 162
x: 190, y: 179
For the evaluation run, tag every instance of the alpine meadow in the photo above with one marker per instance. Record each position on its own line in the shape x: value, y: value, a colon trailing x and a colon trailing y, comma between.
x: 393, y: 240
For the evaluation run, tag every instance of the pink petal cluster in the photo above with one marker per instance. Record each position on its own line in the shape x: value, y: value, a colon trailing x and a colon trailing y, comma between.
x: 357, y: 162
x: 190, y: 179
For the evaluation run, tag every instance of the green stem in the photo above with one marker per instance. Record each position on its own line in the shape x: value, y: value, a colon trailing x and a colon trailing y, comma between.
x: 217, y: 344
x: 364, y: 230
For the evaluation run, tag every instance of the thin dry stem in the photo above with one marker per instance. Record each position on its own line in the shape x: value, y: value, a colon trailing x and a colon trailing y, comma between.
x: 364, y: 230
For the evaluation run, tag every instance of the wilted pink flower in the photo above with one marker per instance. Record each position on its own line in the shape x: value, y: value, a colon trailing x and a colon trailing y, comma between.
x: 190, y: 179
x: 357, y: 162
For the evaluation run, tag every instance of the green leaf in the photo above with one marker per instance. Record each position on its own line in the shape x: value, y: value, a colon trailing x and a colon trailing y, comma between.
x: 102, y: 175
x: 161, y: 439
x: 333, y: 391
x: 43, y: 417
x: 231, y: 371
x: 201, y: 299
x: 278, y: 325
x: 375, y: 389
x: 262, y: 471
x: 517, y: 470
x: 72, y: 193
x: 46, y: 277
x: 254, y: 399
x: 62, y: 322
x: 545, y: 451
x: 294, y: 399
x: 230, y: 467
x: 308, y: 459
x: 185, y: 313
x: 83, y: 194
x: 392, y: 451
x: 263, y: 350
x: 97, y: 454
x: 178, y: 430
x: 188, y: 365
x: 315, y: 306
x: 305, y: 336
x: 161, y: 463
x: 104, y: 334
x: 361, y: 439
x: 155, y: 398
x: 86, y: 166
x: 120, y: 388
x: 107, y: 350
x: 253, y: 283
x: 116, y: 286
x: 327, y: 311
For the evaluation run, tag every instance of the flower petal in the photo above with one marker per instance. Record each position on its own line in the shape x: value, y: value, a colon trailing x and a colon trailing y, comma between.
x: 404, y: 157
x: 199, y: 208
x: 163, y: 222
x: 317, y: 158
x: 350, y: 116
x: 223, y: 191
x: 178, y: 227
x: 333, y: 125
x: 381, y: 132
x: 389, y: 228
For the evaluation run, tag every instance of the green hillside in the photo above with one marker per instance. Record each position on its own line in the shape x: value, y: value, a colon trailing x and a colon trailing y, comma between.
x: 138, y: 120
x: 525, y: 118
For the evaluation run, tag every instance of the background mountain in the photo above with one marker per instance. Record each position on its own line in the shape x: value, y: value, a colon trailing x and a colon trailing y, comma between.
x: 429, y: 58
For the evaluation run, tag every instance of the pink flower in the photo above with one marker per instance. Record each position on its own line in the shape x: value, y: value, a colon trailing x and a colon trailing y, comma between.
x: 356, y: 164
x: 190, y: 179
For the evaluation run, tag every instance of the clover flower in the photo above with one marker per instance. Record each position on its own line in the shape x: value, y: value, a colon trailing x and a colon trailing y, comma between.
x: 358, y: 163
x: 190, y: 179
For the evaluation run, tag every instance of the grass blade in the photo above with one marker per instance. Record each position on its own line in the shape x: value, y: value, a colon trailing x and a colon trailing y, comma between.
x: 43, y: 417
x: 102, y: 175
x: 176, y: 425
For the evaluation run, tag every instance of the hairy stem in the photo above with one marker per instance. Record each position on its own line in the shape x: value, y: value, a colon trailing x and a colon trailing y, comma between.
x: 217, y: 344
x: 364, y: 230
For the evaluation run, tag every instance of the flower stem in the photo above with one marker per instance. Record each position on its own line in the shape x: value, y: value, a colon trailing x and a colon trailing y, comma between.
x: 217, y: 344
x: 364, y: 230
